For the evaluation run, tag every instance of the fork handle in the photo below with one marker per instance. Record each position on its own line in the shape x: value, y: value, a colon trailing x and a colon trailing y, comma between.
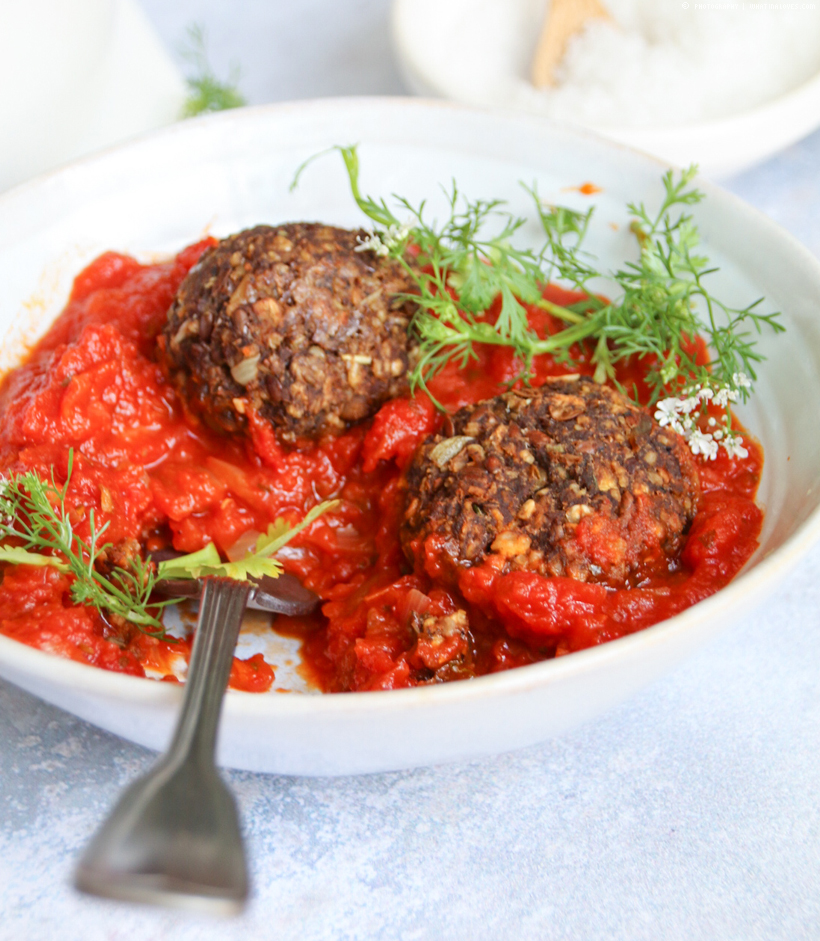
x: 220, y: 616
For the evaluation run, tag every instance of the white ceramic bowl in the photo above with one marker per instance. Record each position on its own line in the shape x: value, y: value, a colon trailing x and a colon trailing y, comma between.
x: 233, y: 170
x: 719, y: 147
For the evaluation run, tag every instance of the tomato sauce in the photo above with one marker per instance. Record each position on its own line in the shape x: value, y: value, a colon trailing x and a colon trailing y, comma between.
x: 154, y: 473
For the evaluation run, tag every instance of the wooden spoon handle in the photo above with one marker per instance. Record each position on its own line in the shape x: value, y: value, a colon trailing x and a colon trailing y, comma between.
x: 564, y: 19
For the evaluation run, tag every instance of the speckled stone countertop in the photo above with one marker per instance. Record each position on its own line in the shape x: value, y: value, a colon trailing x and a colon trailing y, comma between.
x: 690, y: 812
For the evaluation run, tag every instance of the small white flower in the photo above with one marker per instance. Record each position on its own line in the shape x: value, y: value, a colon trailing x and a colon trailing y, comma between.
x: 733, y: 446
x: 703, y: 443
x: 687, y: 406
x: 382, y: 242
x: 396, y: 234
x: 372, y: 243
x: 741, y: 380
x: 679, y: 415
x: 667, y: 411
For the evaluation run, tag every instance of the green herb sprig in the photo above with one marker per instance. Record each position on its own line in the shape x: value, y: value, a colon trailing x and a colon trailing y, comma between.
x: 33, y: 513
x: 666, y: 303
x: 663, y: 301
x: 255, y: 564
x: 206, y: 93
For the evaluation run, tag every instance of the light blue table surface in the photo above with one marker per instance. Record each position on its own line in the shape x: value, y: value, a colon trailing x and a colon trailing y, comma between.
x: 690, y: 812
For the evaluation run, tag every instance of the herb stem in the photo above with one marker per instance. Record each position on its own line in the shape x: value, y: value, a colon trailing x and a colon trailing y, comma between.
x: 562, y: 313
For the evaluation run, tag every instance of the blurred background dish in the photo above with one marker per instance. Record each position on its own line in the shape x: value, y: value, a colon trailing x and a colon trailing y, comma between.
x: 724, y: 88
x: 76, y: 77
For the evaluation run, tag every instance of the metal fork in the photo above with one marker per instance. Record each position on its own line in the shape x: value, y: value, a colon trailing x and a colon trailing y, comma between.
x: 173, y: 838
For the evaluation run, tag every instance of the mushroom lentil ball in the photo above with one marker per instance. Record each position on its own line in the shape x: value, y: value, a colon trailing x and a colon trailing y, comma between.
x: 570, y: 479
x: 294, y: 323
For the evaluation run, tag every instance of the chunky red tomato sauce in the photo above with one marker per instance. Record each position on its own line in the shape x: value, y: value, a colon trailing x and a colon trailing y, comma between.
x: 154, y: 474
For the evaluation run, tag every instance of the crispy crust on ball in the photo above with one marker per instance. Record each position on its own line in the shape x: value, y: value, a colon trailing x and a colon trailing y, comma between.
x: 293, y: 322
x: 571, y: 479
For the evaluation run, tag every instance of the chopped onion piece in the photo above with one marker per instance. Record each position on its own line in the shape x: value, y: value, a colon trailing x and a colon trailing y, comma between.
x: 447, y: 449
x: 246, y: 370
x: 245, y: 544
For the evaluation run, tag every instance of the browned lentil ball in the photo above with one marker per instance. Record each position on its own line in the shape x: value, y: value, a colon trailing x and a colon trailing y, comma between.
x: 293, y: 322
x: 569, y: 479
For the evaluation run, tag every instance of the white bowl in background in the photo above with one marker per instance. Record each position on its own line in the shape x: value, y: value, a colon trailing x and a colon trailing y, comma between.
x: 720, y: 147
x: 233, y: 170
x: 77, y: 76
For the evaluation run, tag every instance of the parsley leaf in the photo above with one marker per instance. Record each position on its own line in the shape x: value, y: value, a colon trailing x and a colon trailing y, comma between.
x: 255, y: 564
